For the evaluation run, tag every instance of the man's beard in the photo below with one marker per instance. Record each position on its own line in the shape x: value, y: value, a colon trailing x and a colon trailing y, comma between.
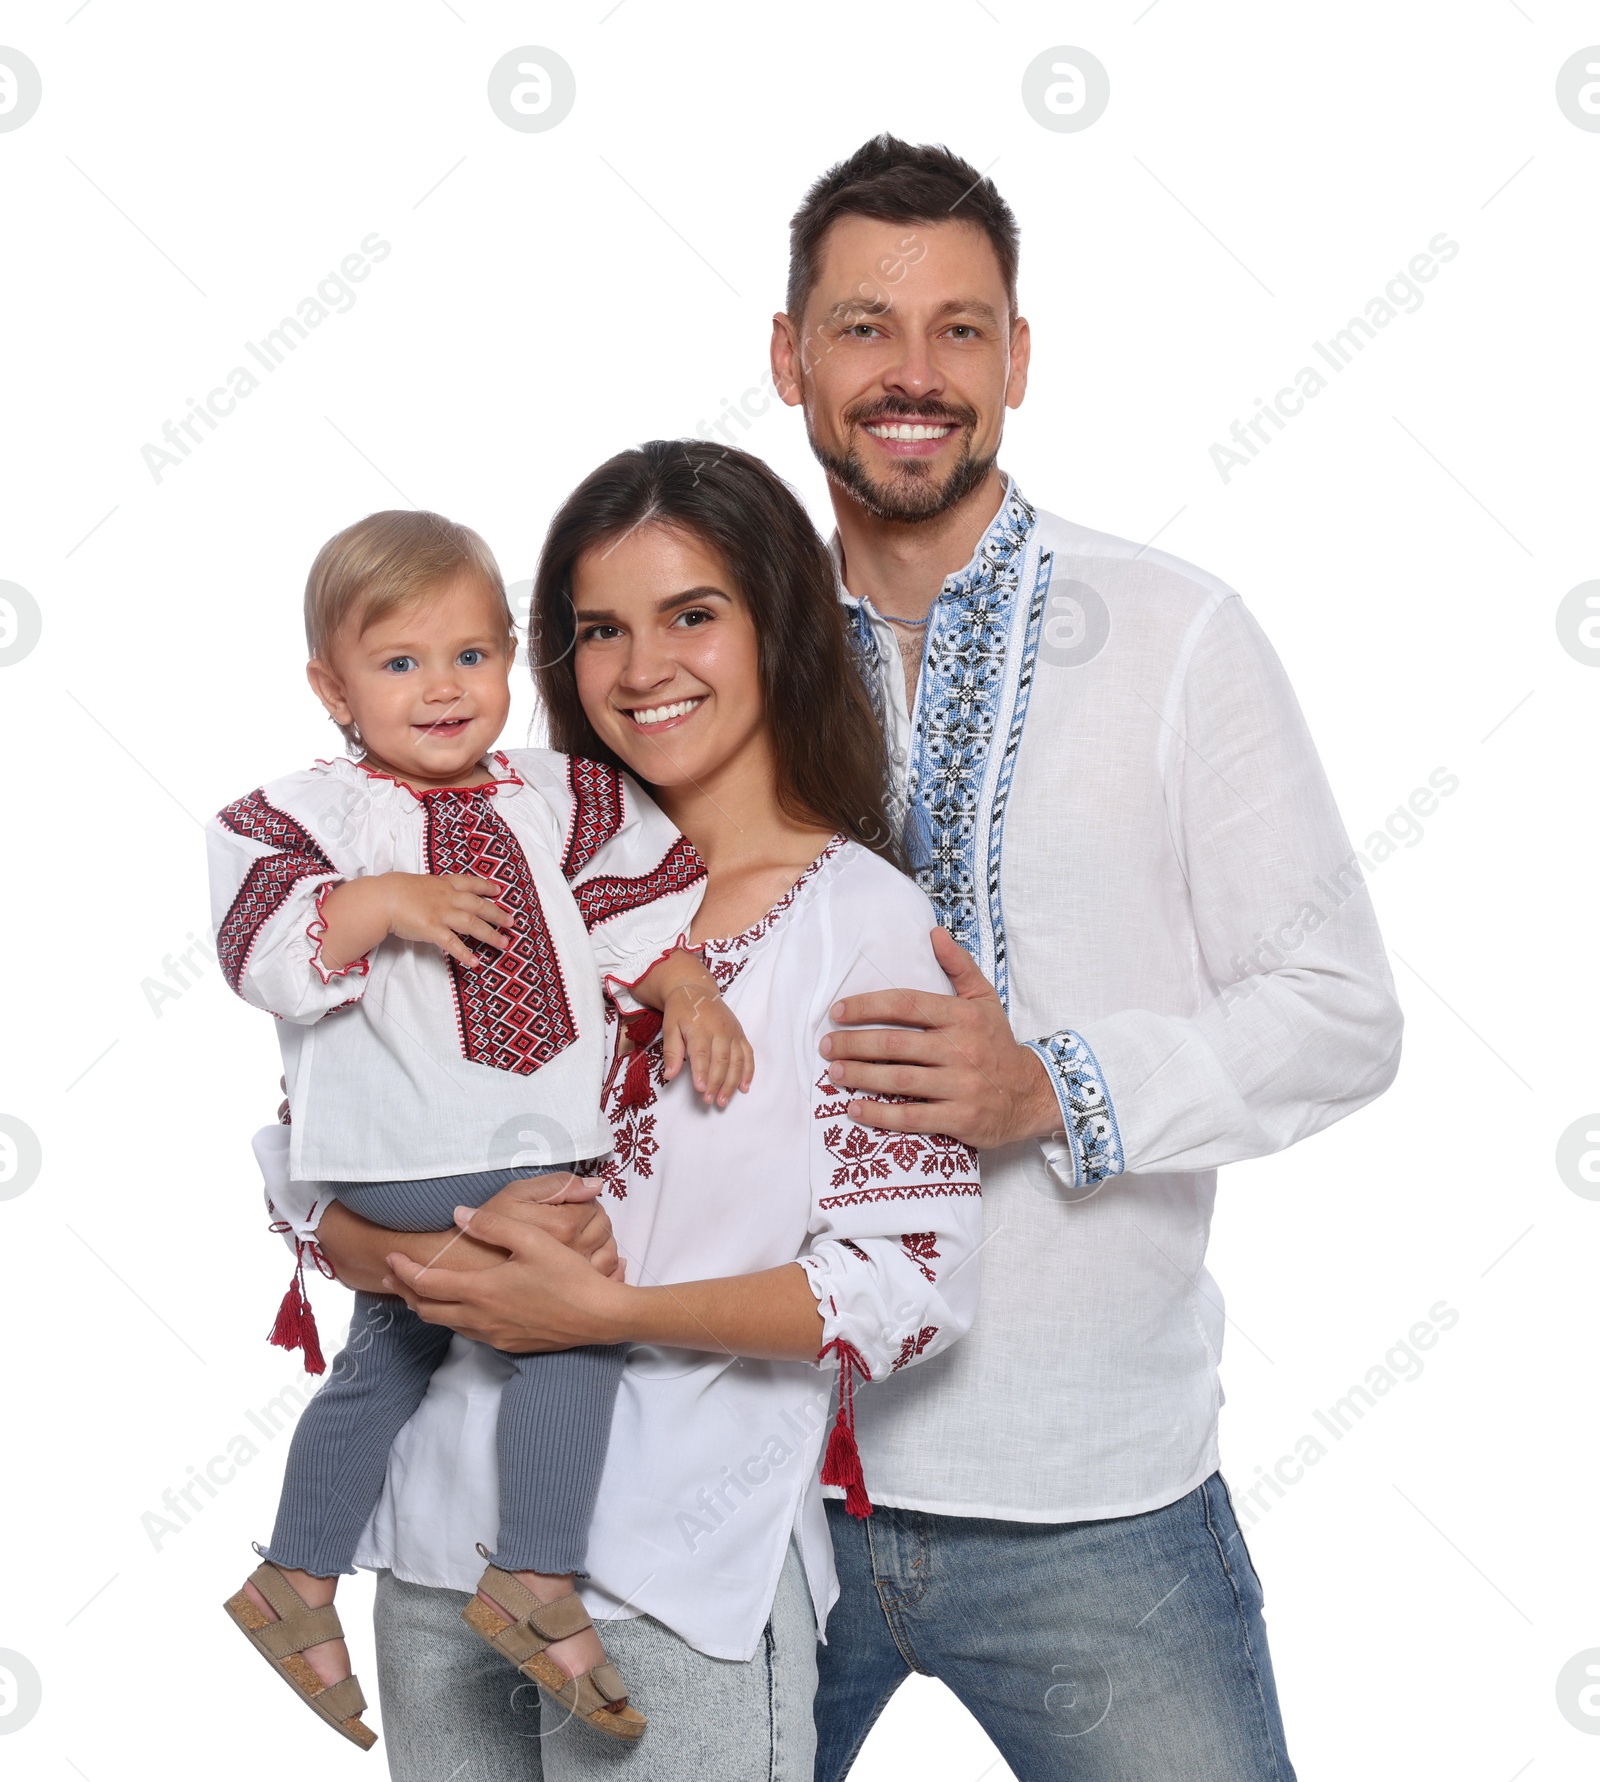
x: 913, y: 494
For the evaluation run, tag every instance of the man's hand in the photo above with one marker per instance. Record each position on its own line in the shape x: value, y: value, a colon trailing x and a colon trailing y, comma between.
x: 960, y: 1061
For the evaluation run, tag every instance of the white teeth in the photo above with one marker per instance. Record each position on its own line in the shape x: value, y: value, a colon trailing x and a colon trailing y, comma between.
x: 909, y: 430
x: 658, y: 714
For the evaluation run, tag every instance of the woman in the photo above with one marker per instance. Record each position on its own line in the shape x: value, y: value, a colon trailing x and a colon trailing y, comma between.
x: 690, y: 634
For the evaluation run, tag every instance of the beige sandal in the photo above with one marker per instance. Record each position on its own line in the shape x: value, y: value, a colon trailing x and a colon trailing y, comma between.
x: 283, y: 1641
x: 599, y: 1696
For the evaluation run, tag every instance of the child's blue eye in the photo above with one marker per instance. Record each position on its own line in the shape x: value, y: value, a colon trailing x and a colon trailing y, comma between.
x: 400, y: 664
x: 470, y: 658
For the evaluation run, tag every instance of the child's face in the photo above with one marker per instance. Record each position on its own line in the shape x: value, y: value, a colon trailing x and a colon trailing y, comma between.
x: 427, y: 686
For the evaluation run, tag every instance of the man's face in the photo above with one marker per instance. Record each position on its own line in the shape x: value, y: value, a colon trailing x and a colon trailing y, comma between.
x: 905, y: 362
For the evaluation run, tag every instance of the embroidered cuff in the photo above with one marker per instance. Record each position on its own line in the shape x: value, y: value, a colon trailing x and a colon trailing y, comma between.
x: 620, y: 990
x: 296, y: 1224
x: 316, y: 929
x: 819, y: 1278
x: 1089, y: 1123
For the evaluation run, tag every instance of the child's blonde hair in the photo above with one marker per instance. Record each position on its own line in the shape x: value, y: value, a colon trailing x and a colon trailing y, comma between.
x: 384, y: 562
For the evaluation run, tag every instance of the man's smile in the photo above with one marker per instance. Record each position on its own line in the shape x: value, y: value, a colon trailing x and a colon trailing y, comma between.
x: 910, y: 430
x: 911, y: 436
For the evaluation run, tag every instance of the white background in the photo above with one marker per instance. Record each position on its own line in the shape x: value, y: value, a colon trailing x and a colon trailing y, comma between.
x: 1260, y: 172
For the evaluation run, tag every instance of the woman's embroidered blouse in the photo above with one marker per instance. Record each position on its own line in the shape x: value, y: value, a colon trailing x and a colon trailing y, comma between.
x: 714, y: 1460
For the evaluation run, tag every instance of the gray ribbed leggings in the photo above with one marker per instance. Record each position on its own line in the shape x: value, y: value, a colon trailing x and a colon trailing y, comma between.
x: 555, y: 1413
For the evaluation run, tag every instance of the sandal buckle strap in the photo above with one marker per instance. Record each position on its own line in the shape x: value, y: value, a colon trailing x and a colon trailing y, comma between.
x: 561, y: 1619
x: 607, y: 1679
x: 300, y: 1629
x: 277, y: 1589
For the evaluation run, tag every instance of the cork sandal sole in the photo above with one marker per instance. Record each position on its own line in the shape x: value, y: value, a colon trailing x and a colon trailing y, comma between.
x: 490, y: 1624
x: 325, y: 1700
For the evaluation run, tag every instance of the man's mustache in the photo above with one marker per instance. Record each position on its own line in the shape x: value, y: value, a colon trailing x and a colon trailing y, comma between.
x: 896, y: 408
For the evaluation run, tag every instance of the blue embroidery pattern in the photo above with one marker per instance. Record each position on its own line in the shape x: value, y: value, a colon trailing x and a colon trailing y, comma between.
x: 1002, y: 791
x: 1089, y: 1122
x: 869, y: 665
x: 958, y: 712
x: 964, y: 711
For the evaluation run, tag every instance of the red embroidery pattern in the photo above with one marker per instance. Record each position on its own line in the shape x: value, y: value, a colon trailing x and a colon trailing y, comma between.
x: 862, y: 1155
x: 596, y: 811
x: 727, y: 958
x: 900, y: 1191
x: 600, y: 899
x: 921, y: 1247
x: 512, y: 1011
x: 913, y: 1346
x: 855, y: 1250
x: 633, y: 1139
x: 269, y: 882
x: 633, y: 1129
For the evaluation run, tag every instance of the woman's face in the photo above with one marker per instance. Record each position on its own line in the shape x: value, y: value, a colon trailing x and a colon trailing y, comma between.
x: 666, y: 657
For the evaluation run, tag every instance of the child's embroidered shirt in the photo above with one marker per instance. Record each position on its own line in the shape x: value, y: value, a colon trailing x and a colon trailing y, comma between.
x: 405, y: 1064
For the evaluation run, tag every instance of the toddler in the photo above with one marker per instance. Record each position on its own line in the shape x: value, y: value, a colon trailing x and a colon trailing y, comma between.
x: 433, y: 923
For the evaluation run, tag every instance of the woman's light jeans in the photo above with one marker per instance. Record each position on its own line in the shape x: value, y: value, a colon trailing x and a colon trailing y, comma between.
x: 452, y: 1707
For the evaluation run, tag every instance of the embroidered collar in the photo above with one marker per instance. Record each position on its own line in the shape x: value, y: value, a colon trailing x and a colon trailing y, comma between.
x: 728, y: 957
x: 1012, y: 497
x: 1005, y: 537
x: 991, y: 563
x: 504, y: 778
x: 966, y: 723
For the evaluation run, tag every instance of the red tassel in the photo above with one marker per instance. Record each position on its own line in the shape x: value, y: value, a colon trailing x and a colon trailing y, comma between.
x: 296, y: 1325
x: 841, y: 1462
x: 643, y: 1025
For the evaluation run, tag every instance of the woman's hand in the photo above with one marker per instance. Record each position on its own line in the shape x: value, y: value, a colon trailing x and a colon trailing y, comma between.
x: 543, y: 1295
x: 359, y: 1250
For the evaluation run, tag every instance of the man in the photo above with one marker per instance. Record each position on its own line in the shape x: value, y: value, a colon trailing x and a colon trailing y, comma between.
x: 1110, y: 795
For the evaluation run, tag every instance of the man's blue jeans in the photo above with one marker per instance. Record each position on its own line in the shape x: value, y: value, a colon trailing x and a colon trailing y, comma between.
x: 1131, y: 1650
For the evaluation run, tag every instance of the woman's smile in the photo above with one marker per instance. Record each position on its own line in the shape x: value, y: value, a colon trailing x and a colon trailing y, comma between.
x: 653, y: 719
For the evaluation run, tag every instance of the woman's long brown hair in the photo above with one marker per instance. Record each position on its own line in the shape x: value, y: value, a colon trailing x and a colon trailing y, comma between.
x: 830, y: 754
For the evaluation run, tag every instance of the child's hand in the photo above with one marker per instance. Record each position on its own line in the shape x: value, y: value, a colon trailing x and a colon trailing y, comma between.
x: 447, y: 909
x: 696, y: 1023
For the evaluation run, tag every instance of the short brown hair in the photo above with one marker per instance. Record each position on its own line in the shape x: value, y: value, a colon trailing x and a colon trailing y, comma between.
x: 899, y: 182
x: 384, y: 562
x: 832, y: 763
